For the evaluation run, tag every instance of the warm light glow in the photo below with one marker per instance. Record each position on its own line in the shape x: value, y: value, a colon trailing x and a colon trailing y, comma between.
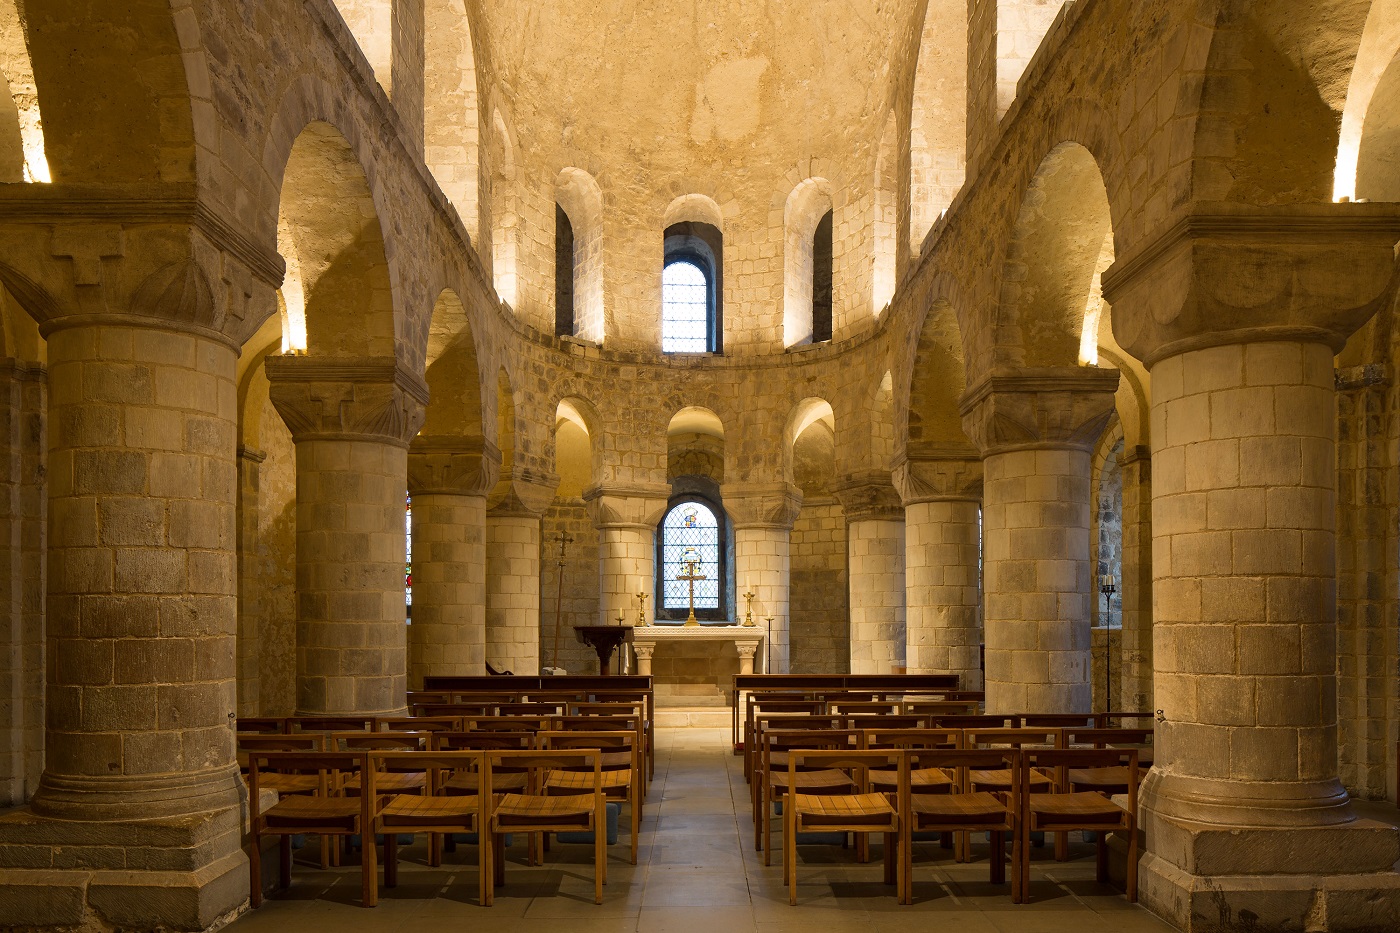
x: 36, y: 163
x: 292, y: 292
x: 1344, y: 180
x: 1089, y: 337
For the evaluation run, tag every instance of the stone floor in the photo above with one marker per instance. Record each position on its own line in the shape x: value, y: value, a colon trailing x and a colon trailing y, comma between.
x: 697, y: 870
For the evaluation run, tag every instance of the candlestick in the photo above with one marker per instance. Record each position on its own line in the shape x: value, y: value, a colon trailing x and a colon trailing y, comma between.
x: 641, y: 608
x: 748, y: 615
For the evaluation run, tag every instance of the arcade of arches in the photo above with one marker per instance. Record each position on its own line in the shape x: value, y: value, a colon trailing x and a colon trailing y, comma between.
x: 997, y: 298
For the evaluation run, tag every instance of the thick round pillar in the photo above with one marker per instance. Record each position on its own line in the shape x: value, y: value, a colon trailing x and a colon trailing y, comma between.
x: 141, y: 584
x: 351, y: 422
x: 448, y: 631
x: 513, y: 591
x: 627, y: 566
x: 763, y: 516
x: 875, y: 565
x: 943, y: 590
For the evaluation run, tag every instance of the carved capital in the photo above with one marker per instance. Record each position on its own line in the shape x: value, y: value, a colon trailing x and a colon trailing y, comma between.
x: 522, y: 492
x: 158, y: 257
x: 1228, y: 273
x: 762, y: 505
x: 639, y: 506
x: 950, y: 476
x: 643, y: 650
x: 869, y: 496
x: 456, y: 466
x: 333, y: 399
x: 1057, y: 407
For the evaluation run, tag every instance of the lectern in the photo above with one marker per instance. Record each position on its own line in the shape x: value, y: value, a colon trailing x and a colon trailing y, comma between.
x: 603, y: 639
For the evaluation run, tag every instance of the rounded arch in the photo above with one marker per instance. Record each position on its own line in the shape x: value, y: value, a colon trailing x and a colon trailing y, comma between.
x: 505, y: 211
x: 804, y: 414
x: 937, y: 381
x: 937, y: 117
x: 331, y: 240
x: 1377, y: 168
x: 1060, y: 244
x: 885, y: 220
x: 694, y: 208
x: 452, y: 373
x: 506, y: 425
x: 22, y: 155
x: 578, y: 195
x: 575, y: 424
x: 695, y: 446
x: 881, y: 415
x: 809, y: 202
x: 451, y: 117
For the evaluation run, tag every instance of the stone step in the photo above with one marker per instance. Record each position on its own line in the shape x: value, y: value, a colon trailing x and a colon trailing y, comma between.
x: 693, y: 717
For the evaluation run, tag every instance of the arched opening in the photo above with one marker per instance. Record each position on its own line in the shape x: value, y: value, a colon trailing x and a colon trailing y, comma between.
x: 22, y: 156
x: 451, y: 121
x: 570, y: 584
x: 885, y: 223
x: 695, y: 528
x: 505, y: 212
x: 578, y: 255
x: 819, y: 602
x: 938, y: 118
x: 1378, y: 151
x: 692, y: 288
x: 807, y: 246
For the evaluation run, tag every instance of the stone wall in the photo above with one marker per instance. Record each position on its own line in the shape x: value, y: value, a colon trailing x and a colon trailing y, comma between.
x: 1112, y: 639
x: 581, y: 584
x: 819, y: 605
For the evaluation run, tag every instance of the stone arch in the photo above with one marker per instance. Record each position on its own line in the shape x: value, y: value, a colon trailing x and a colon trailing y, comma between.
x: 937, y: 380
x: 333, y: 245
x: 885, y: 220
x: 808, y: 203
x: 22, y: 155
x: 695, y: 444
x: 141, y: 127
x: 575, y: 453
x: 1377, y: 170
x: 938, y: 117
x: 1375, y: 57
x: 803, y: 415
x: 451, y: 118
x: 453, y: 374
x: 505, y: 212
x: 881, y: 415
x: 578, y: 194
x: 1059, y: 247
x: 507, y: 426
x: 694, y: 208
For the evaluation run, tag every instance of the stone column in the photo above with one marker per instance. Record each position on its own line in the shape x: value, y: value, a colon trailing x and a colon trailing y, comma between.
x: 875, y: 551
x: 746, y: 653
x: 1135, y: 684
x: 513, y: 572
x: 942, y: 553
x: 626, y: 517
x: 1238, y: 315
x: 763, y: 515
x: 249, y: 590
x: 1036, y: 430
x: 351, y: 421
x: 448, y: 478
x: 644, y: 653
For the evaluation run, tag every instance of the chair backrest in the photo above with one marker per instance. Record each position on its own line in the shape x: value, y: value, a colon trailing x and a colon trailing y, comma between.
x: 1126, y: 720
x: 983, y: 721
x: 1013, y: 738
x: 610, y: 708
x: 330, y: 724
x: 965, y: 759
x: 439, y: 765
x: 855, y: 762
x: 266, y: 725
x: 911, y: 738
x: 482, y: 741
x: 537, y: 762
x: 454, y: 710
x: 370, y: 741
x: 545, y: 708
x: 885, y: 721
x: 864, y: 707
x: 781, y: 740
x: 941, y: 707
x: 1107, y: 738
x: 423, y: 697
x: 1059, y: 720
x: 631, y: 722
x: 331, y: 766
x: 251, y: 744
x: 1061, y: 761
x: 505, y: 723
x: 418, y: 724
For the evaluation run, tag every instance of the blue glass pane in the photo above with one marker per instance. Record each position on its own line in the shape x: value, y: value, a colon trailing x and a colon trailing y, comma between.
x: 690, y: 539
x: 685, y: 309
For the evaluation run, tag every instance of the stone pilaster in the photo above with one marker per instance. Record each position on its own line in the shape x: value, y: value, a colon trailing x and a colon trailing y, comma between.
x: 626, y: 518
x: 1036, y: 430
x: 351, y: 421
x: 448, y: 479
x: 763, y: 515
x: 513, y: 571
x: 942, y: 497
x: 1238, y: 313
x: 1135, y: 684
x: 875, y: 553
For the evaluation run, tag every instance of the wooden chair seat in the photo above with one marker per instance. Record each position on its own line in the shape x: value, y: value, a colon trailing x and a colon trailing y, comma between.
x: 977, y: 808
x: 1076, y: 808
x: 921, y: 781
x: 1003, y: 779
x: 850, y: 811
x: 469, y: 782
x: 314, y: 813
x: 409, y: 811
x: 811, y: 780
x: 391, y: 782
x: 581, y: 782
x: 289, y: 783
x: 539, y: 813
x: 1104, y: 780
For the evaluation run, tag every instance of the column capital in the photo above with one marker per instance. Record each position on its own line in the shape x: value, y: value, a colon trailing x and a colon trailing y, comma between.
x: 639, y: 505
x: 1051, y: 407
x: 762, y: 505
x: 869, y: 495
x: 143, y: 255
x: 1232, y: 273
x: 950, y: 475
x: 323, y: 398
x: 457, y: 466
x: 522, y: 492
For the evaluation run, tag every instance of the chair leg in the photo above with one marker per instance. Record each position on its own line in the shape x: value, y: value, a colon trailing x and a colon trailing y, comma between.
x: 1017, y: 853
x: 498, y: 844
x: 486, y: 870
x: 765, y: 834
x: 391, y: 860
x: 435, y: 850
x: 1132, y: 862
x: 636, y: 824
x: 1101, y: 857
x: 600, y: 856
x: 998, y: 857
x: 1061, y: 847
x: 790, y: 853
x: 891, y: 861
x: 369, y: 871
x: 255, y: 871
x: 284, y: 852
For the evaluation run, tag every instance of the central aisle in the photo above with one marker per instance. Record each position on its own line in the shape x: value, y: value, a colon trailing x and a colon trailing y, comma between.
x: 697, y: 871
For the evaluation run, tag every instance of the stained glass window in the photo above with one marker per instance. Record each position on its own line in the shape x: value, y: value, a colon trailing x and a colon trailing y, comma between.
x: 690, y: 541
x: 685, y: 309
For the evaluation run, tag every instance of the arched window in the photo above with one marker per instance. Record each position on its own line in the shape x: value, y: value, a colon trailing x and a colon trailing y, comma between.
x: 821, y: 280
x: 692, y: 542
x: 563, y: 274
x: 692, y: 289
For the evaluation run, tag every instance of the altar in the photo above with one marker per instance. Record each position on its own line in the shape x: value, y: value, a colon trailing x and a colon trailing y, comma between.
x: 695, y: 664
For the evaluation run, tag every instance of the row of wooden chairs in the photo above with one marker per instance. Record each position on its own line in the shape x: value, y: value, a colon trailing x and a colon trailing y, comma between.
x: 531, y: 791
x: 875, y: 791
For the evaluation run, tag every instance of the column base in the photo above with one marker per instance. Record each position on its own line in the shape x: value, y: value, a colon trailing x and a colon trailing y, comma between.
x: 185, y: 873
x: 1212, y: 879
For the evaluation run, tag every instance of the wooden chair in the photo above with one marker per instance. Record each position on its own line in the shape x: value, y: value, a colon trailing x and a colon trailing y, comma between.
x: 931, y: 780
x: 1000, y: 780
x: 767, y: 722
x: 938, y: 708
x: 865, y: 707
x: 410, y: 781
x: 326, y: 812
x: 859, y: 811
x: 435, y: 811
x: 761, y: 706
x: 418, y: 724
x: 617, y: 722
x: 330, y: 724
x: 623, y: 773
x: 1059, y: 720
x: 287, y: 782
x: 262, y: 725
x: 775, y: 780
x: 1068, y: 807
x: 632, y: 706
x: 963, y: 810
x: 977, y: 721
x: 506, y: 723
x: 1112, y: 781
x: 536, y: 811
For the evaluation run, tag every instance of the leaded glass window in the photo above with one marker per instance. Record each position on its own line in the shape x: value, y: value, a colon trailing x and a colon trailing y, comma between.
x: 690, y: 538
x: 685, y: 308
